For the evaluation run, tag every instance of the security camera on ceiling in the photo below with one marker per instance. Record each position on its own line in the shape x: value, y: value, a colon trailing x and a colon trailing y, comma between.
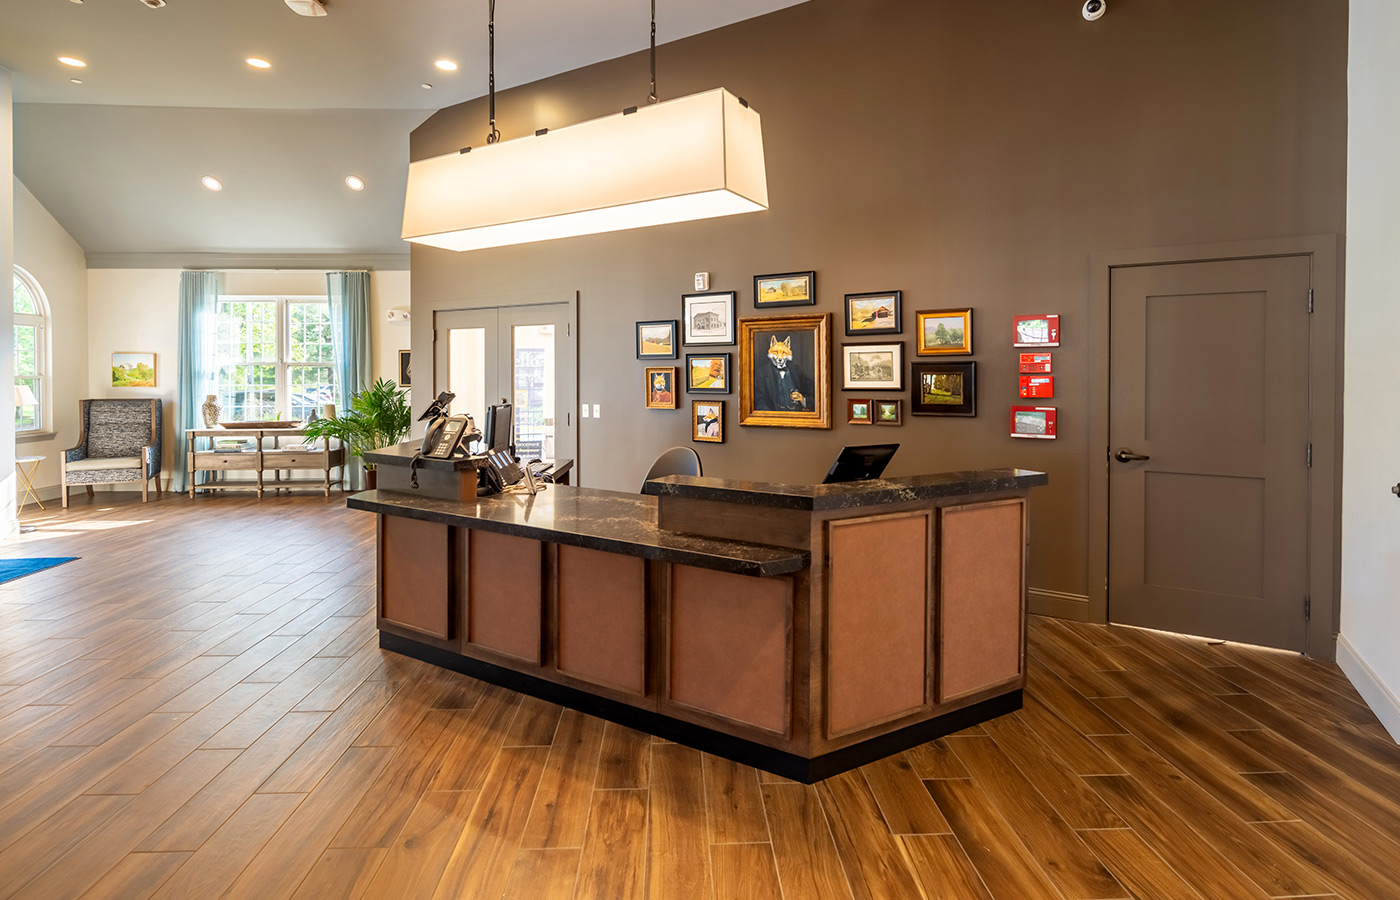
x: 1093, y: 9
x: 307, y: 7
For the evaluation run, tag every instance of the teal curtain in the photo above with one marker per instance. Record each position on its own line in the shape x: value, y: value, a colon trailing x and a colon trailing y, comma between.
x: 199, y: 292
x: 354, y: 366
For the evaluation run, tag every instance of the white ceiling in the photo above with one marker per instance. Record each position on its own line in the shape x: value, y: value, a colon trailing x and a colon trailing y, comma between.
x: 118, y: 173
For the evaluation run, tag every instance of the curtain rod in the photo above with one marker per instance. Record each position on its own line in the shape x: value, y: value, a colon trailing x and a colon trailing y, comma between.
x: 239, y: 271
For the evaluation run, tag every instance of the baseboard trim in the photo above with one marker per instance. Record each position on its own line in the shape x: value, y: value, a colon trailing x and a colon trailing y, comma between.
x: 1380, y: 698
x: 1057, y: 604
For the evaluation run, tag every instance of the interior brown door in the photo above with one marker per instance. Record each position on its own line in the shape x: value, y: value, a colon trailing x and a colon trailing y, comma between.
x: 1208, y: 449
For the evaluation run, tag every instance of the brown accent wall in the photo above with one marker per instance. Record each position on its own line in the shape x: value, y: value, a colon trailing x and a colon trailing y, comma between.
x: 968, y: 154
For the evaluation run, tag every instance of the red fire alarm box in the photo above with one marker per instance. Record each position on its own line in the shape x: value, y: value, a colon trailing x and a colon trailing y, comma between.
x: 1033, y: 422
x: 1037, y: 331
x: 1035, y: 363
x: 1038, y: 386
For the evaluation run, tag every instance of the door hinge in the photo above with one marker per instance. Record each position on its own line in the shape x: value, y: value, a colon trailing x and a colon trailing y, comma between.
x: 1310, y: 300
x: 1309, y: 455
x: 1307, y: 608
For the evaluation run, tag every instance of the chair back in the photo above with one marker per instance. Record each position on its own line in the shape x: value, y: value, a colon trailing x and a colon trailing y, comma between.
x: 115, y: 428
x: 676, y: 461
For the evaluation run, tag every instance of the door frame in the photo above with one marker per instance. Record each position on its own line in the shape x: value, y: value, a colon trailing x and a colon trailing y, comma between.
x: 421, y: 340
x: 1325, y: 359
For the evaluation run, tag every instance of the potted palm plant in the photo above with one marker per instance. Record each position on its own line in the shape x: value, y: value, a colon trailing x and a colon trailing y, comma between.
x: 379, y: 416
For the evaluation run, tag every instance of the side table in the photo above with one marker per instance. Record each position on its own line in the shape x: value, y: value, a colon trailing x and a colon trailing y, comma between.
x: 27, y: 467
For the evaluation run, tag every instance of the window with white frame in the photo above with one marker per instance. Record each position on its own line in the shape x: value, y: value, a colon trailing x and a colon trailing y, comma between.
x: 31, y: 353
x: 274, y: 357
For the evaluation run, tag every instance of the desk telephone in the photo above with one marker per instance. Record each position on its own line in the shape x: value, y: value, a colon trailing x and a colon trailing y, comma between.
x: 447, y: 437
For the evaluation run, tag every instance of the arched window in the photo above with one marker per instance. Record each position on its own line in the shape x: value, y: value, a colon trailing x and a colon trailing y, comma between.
x: 31, y: 355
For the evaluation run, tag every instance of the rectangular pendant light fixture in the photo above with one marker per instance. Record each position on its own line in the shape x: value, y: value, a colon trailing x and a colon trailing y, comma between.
x: 694, y: 157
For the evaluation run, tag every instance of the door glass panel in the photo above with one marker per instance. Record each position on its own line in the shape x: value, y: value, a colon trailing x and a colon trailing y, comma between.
x: 533, y: 377
x: 466, y: 371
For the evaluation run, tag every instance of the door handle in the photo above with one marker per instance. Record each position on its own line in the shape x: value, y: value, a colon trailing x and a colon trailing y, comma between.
x: 1125, y: 456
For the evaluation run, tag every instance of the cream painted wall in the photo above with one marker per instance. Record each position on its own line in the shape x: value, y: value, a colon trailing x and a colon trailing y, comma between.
x: 1370, y: 634
x: 47, y: 252
x: 9, y: 523
x: 136, y: 309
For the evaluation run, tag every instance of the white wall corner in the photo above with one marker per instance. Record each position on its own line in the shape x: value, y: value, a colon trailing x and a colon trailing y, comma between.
x: 1368, y: 684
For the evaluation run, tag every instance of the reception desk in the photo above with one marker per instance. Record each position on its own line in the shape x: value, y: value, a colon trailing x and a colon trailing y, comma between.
x: 804, y: 630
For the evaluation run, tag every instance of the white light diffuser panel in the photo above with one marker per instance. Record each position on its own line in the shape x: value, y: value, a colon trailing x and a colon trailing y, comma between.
x: 694, y: 157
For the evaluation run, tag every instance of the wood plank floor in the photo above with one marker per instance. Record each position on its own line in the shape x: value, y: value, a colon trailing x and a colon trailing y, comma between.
x: 197, y: 708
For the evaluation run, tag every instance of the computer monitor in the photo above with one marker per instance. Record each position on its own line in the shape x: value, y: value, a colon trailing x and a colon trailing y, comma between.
x: 860, y: 463
x: 500, y: 424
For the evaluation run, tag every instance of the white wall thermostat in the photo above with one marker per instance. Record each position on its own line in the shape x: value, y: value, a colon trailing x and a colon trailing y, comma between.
x: 702, y: 281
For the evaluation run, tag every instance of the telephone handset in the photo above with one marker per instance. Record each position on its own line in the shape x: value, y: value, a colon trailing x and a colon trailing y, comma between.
x: 448, y: 435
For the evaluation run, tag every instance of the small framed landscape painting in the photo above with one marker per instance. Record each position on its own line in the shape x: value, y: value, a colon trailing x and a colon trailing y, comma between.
x: 944, y: 389
x: 708, y: 318
x: 877, y: 313
x: 661, y: 387
x: 707, y: 374
x: 872, y: 367
x: 707, y: 421
x: 889, y: 412
x: 791, y: 289
x: 657, y: 340
x: 944, y: 331
x: 133, y: 370
x: 859, y: 412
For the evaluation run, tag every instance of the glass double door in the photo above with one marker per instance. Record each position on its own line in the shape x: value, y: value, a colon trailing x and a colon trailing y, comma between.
x: 524, y: 355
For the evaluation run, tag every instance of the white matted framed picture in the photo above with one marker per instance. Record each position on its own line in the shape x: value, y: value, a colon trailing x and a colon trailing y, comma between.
x: 872, y: 367
x: 708, y: 318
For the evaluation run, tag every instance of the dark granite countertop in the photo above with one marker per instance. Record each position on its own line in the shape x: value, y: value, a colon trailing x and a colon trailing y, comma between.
x: 848, y: 495
x: 403, y: 454
x: 586, y: 517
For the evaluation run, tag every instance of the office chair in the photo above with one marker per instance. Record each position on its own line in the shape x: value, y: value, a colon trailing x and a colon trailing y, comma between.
x: 676, y: 461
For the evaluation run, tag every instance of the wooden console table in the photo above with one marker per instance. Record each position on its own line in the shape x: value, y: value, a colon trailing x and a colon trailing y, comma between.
x: 262, y: 459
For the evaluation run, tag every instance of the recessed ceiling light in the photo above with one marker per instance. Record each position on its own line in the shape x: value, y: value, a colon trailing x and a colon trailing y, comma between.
x: 212, y: 183
x: 425, y: 86
x: 446, y: 65
x: 76, y: 80
x: 75, y: 1
x: 258, y: 63
x: 354, y: 182
x: 72, y: 61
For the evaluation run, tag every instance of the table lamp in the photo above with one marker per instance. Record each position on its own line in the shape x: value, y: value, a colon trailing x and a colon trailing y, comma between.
x: 24, y: 396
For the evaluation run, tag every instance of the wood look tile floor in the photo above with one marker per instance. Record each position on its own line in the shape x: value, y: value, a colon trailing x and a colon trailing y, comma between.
x: 198, y: 708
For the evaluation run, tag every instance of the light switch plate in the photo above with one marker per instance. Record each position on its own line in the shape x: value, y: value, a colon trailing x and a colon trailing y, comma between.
x: 702, y: 281
x: 597, y: 411
x: 583, y: 413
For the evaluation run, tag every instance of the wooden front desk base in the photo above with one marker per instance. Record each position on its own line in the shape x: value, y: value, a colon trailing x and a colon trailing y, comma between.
x: 729, y: 746
x: 910, y: 625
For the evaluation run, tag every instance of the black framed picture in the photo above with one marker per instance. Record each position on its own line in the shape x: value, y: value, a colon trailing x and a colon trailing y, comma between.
x: 788, y: 289
x: 707, y: 373
x: 877, y: 313
x: 708, y: 318
x: 944, y: 389
x: 657, y: 340
x: 405, y: 368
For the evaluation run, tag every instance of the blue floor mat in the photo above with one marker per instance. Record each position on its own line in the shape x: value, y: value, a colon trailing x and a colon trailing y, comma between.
x: 10, y: 569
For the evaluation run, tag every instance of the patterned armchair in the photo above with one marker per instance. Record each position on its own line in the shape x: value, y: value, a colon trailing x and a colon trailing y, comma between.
x: 119, y: 443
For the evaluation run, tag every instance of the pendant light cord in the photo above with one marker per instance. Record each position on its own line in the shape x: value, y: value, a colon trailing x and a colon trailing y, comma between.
x: 652, y: 99
x: 494, y: 135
